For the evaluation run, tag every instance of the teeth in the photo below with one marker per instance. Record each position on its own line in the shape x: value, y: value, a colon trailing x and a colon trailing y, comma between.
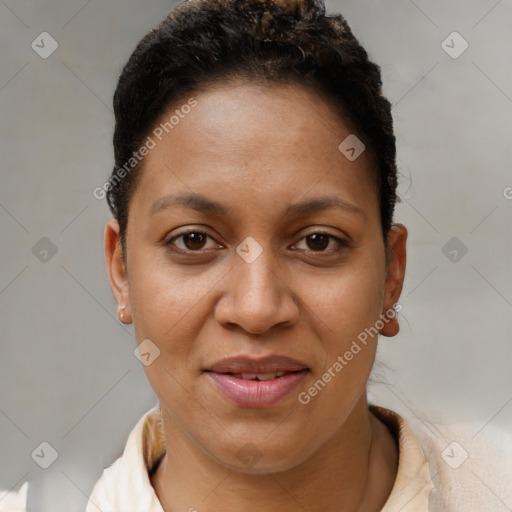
x: 261, y: 376
x: 249, y: 376
x: 266, y: 376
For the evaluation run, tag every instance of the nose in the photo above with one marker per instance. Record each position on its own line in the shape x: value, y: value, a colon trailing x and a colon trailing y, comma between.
x: 257, y: 297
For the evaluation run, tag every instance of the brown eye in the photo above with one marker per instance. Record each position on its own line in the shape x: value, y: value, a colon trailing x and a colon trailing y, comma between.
x: 192, y: 241
x: 317, y: 241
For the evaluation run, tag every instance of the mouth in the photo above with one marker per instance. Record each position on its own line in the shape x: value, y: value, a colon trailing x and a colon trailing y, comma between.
x: 257, y: 383
x: 258, y: 376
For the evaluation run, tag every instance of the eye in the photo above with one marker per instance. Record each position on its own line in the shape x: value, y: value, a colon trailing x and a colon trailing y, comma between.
x: 197, y: 241
x: 190, y: 241
x: 319, y: 242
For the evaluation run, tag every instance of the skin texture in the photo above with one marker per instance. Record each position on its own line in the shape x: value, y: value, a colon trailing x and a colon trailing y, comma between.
x: 257, y: 149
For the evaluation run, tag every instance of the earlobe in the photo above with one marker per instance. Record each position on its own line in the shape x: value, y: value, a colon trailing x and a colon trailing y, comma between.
x: 117, y: 270
x: 395, y: 274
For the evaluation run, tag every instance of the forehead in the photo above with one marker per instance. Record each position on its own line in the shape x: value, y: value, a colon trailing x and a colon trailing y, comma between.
x: 274, y: 142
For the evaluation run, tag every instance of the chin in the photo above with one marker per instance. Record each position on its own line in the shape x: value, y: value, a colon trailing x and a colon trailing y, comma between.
x: 261, y: 457
x: 261, y: 466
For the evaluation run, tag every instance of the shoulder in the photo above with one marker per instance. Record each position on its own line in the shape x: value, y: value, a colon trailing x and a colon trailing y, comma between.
x: 470, y: 465
x: 125, y: 484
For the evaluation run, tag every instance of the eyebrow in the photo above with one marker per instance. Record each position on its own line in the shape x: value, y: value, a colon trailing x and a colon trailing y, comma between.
x: 204, y: 204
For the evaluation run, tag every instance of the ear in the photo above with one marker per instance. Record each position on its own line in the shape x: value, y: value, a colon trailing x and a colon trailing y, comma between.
x: 117, y: 270
x: 395, y: 274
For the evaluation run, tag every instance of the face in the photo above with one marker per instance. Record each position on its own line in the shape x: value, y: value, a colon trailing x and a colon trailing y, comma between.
x: 254, y: 261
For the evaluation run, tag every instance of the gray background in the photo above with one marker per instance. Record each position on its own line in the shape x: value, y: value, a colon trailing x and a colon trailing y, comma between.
x: 68, y: 373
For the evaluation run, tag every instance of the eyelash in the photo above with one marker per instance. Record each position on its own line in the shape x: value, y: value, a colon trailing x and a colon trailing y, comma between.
x: 342, y: 244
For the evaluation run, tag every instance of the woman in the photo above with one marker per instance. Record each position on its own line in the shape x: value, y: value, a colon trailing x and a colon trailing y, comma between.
x: 253, y: 248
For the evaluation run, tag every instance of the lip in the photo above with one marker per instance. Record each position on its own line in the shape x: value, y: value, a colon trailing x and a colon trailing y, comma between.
x: 256, y: 393
x: 247, y: 364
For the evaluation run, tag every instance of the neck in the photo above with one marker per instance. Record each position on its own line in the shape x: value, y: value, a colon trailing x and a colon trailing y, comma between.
x: 353, y: 472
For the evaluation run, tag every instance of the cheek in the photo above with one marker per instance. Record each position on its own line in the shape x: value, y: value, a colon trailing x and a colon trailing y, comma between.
x: 350, y: 302
x: 167, y: 299
x: 344, y: 314
x: 170, y: 306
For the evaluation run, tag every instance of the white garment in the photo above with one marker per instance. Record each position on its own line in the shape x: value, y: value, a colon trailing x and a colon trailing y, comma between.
x: 14, y: 501
x: 443, y: 481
